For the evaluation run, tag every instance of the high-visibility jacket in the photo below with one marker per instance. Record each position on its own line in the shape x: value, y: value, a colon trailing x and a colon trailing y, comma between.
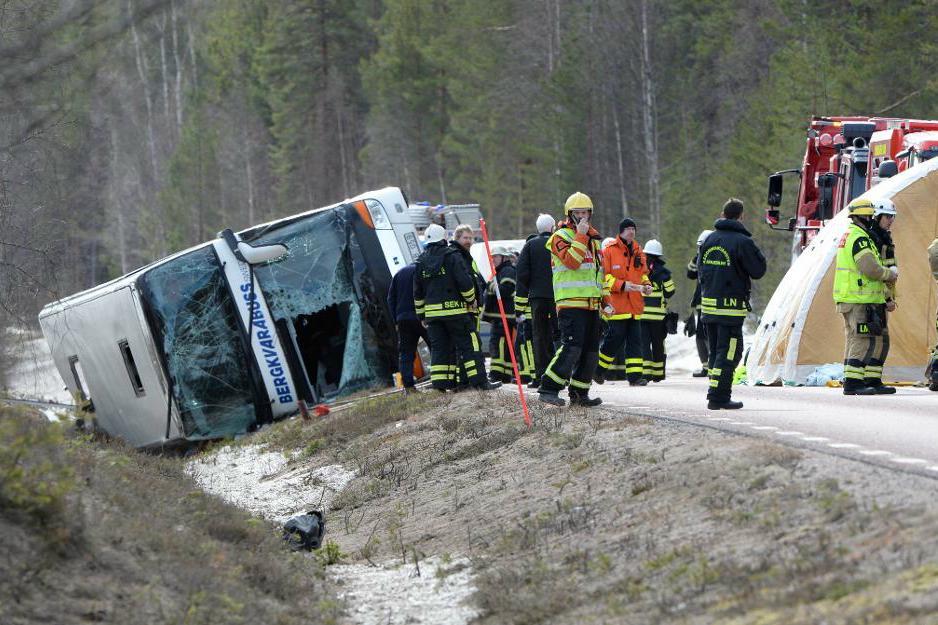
x: 576, y: 268
x: 442, y: 284
x: 662, y: 288
x: 624, y: 264
x: 859, y: 277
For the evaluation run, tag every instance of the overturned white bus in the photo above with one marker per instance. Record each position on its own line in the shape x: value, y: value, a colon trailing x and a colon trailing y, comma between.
x: 217, y: 339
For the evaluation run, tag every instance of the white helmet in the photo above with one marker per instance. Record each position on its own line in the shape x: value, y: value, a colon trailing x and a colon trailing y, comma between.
x: 883, y: 207
x: 545, y: 223
x: 654, y: 247
x: 434, y: 234
x: 500, y: 250
x: 703, y: 237
x: 607, y: 242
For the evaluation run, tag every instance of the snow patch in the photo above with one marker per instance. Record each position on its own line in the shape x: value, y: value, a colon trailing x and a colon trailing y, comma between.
x: 34, y: 375
x: 258, y: 480
x: 395, y: 594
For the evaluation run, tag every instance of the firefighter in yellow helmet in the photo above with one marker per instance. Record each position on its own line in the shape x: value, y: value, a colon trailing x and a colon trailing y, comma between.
x: 861, y: 284
x: 578, y: 287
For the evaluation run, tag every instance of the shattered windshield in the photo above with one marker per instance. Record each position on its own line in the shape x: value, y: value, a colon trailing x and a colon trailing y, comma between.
x: 196, y: 327
x: 316, y: 289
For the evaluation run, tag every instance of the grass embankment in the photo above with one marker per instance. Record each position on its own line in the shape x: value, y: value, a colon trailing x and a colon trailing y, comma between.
x: 96, y: 532
x: 602, y: 517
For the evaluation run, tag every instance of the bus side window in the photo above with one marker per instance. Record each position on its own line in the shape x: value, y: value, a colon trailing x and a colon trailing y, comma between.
x: 131, y: 366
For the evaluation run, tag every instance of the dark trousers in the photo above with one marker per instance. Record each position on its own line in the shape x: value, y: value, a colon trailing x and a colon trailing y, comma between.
x: 625, y: 333
x: 452, y: 338
x: 408, y: 332
x: 726, y: 350
x: 576, y: 358
x: 500, y: 368
x: 653, y: 354
x: 524, y: 351
x: 545, y: 333
x: 703, y: 347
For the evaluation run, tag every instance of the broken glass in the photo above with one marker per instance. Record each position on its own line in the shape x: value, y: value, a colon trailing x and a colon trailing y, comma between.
x: 196, y: 327
x: 317, y: 288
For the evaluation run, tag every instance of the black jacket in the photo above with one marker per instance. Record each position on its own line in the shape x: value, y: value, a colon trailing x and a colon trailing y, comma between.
x: 401, y: 294
x: 505, y: 279
x: 442, y: 283
x: 473, y: 269
x: 692, y: 275
x: 535, y: 277
x: 727, y: 262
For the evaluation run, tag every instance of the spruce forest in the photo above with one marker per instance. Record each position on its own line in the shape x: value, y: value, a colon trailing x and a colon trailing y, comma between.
x: 130, y: 129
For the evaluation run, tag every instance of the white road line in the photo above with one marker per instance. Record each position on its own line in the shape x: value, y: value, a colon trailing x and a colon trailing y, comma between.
x: 876, y: 452
x: 792, y: 433
x: 909, y: 460
x: 718, y: 419
x: 844, y: 446
x: 815, y: 439
x: 932, y: 468
x: 764, y: 427
x: 741, y: 423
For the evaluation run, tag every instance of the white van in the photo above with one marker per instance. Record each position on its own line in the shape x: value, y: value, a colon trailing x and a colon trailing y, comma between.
x: 217, y: 339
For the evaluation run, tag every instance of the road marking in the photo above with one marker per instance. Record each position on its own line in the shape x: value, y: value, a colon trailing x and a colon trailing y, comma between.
x: 764, y: 427
x: 718, y: 419
x: 909, y: 460
x: 815, y: 439
x: 741, y: 423
x: 844, y: 446
x: 932, y: 468
x: 792, y: 433
x: 876, y: 452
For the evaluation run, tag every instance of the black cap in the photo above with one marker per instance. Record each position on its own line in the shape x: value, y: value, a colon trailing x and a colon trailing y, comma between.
x: 627, y: 223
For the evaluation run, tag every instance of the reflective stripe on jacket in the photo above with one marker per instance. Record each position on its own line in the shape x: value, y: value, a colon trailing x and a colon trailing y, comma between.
x: 662, y: 288
x: 624, y: 265
x: 575, y: 267
x: 853, y: 285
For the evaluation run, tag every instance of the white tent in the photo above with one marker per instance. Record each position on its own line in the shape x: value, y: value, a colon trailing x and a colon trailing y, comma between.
x: 800, y: 328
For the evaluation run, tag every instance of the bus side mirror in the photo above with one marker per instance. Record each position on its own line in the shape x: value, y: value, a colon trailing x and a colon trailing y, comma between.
x: 775, y: 191
x: 888, y: 169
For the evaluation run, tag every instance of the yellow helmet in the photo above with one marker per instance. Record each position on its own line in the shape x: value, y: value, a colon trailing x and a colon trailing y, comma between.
x: 861, y: 207
x: 580, y: 201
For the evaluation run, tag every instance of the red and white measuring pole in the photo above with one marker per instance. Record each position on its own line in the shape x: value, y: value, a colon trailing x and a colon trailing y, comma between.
x: 508, y: 337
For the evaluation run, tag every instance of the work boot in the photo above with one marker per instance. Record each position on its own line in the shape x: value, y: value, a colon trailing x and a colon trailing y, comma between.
x: 551, y: 397
x: 934, y: 385
x: 638, y: 382
x: 487, y: 385
x: 701, y: 374
x: 585, y: 401
x: 536, y: 382
x: 599, y: 376
x: 724, y: 405
x: 860, y: 390
x: 882, y: 389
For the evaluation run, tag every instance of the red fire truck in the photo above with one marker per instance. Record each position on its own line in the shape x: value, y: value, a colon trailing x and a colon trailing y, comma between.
x: 845, y: 156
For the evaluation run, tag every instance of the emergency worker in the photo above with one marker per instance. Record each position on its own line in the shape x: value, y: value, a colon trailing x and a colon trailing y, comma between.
x: 409, y: 327
x: 444, y: 294
x: 727, y: 262
x: 933, y: 263
x: 654, y: 331
x: 463, y: 238
x: 578, y: 284
x: 861, y: 285
x: 500, y: 368
x: 693, y: 327
x: 534, y: 296
x: 625, y: 283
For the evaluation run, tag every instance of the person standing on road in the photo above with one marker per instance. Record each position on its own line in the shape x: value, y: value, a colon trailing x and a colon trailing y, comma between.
x: 578, y: 287
x: 933, y: 263
x: 534, y: 297
x: 654, y: 331
x: 625, y: 285
x: 444, y: 294
x: 409, y: 327
x: 500, y: 368
x: 463, y: 237
x: 861, y: 283
x: 884, y: 214
x: 693, y: 327
x: 727, y: 262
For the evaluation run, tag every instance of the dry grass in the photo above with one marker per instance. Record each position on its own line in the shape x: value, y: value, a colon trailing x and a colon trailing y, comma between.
x: 131, y: 539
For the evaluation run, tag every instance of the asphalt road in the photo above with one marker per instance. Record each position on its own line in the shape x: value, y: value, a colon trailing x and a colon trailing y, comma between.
x: 899, y: 431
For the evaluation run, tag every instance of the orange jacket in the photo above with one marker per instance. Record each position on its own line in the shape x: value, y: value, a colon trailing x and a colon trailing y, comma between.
x: 623, y: 267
